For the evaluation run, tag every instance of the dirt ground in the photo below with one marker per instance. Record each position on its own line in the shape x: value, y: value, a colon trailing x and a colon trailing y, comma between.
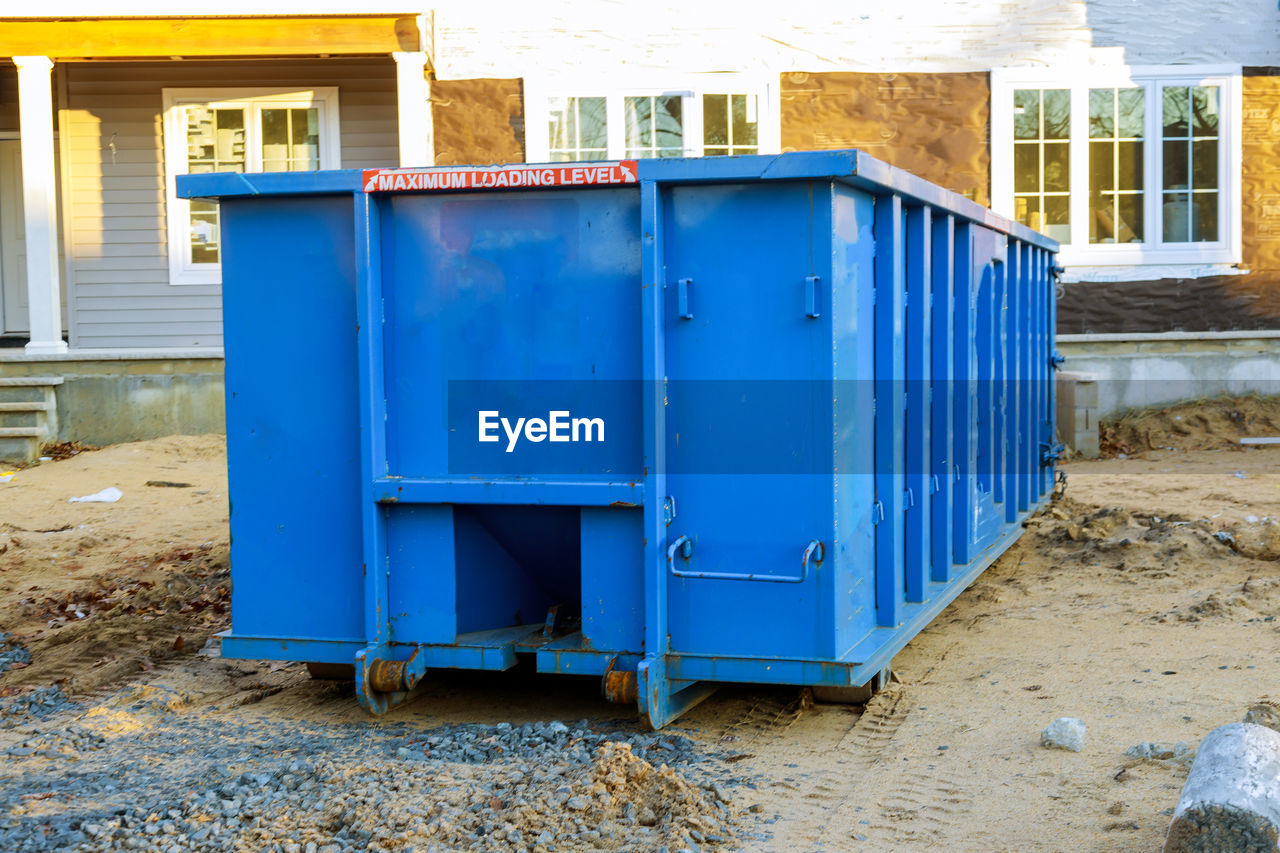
x: 1143, y: 604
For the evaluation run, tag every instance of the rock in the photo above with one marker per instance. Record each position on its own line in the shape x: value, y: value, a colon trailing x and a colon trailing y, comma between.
x: 577, y: 804
x: 1264, y: 714
x: 1231, y: 800
x: 1064, y: 733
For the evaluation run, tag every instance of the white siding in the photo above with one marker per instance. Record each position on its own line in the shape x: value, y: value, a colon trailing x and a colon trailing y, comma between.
x: 561, y: 37
x: 119, y: 267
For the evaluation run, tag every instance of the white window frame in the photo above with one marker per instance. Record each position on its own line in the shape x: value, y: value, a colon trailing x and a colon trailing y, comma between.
x: 538, y: 93
x: 252, y: 101
x: 1121, y: 258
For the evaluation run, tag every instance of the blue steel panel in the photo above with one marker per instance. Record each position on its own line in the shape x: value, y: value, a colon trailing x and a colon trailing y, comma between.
x: 965, y: 424
x: 890, y: 402
x: 528, y: 293
x: 852, y: 575
x: 918, y: 467
x: 422, y: 591
x: 613, y: 579
x: 292, y: 434
x: 942, y: 372
x: 373, y: 416
x: 651, y: 672
x: 748, y: 251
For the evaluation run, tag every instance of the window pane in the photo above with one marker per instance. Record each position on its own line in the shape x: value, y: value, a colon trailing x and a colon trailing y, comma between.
x: 1027, y: 211
x: 1057, y: 218
x: 1102, y: 113
x: 1204, y: 108
x: 1057, y: 167
x: 1204, y: 218
x: 204, y: 232
x: 1026, y: 168
x: 1102, y: 219
x: 1026, y: 114
x: 1175, y: 165
x: 1177, y: 217
x: 1057, y: 114
x: 715, y: 120
x: 1129, y: 218
x: 1204, y: 164
x: 744, y: 128
x: 576, y: 129
x: 1128, y: 165
x: 1101, y: 167
x: 1131, y: 113
x: 1175, y: 111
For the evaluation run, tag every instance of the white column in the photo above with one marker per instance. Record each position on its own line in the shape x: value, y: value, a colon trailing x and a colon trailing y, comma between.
x: 39, y: 199
x: 417, y: 144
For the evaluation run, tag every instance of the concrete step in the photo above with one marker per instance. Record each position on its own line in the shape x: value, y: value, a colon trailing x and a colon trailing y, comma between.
x: 21, y: 432
x: 27, y: 381
x: 28, y: 389
x: 27, y: 406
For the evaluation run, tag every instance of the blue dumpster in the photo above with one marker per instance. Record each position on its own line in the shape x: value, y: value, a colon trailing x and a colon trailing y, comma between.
x: 670, y: 423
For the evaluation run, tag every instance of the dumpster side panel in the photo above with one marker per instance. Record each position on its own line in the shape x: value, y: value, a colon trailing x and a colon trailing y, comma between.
x: 527, y: 298
x: 749, y: 427
x: 853, y: 360
x: 292, y: 430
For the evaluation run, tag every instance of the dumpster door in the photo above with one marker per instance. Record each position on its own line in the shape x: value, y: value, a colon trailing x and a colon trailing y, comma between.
x: 748, y: 415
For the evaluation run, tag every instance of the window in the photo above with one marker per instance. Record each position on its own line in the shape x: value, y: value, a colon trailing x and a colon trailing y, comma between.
x: 712, y: 114
x: 1134, y: 166
x: 245, y: 130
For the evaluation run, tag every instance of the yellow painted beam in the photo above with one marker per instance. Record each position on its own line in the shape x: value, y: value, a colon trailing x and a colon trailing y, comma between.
x: 166, y: 37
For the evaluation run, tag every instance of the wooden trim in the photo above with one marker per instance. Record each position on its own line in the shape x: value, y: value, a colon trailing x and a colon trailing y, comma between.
x: 183, y: 37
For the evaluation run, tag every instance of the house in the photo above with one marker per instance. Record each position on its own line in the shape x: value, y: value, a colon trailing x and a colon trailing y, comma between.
x: 1148, y: 145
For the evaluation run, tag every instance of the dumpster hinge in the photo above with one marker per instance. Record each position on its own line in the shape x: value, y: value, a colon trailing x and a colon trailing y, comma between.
x: 1056, y: 360
x: 877, y: 512
x: 1050, y: 452
x: 668, y: 510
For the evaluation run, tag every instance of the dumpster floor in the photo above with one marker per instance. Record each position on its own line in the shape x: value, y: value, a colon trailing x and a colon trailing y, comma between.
x: 1143, y: 604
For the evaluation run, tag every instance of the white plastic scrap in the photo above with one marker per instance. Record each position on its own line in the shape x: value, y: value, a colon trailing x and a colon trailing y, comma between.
x: 109, y: 495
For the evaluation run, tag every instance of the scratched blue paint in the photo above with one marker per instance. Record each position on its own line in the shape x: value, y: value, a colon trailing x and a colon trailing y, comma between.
x: 826, y: 381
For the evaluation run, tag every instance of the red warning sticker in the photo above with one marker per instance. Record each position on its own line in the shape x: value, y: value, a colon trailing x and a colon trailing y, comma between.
x: 500, y: 177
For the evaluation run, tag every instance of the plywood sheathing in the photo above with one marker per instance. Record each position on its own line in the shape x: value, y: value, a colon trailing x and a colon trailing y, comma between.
x: 934, y: 125
x: 478, y: 122
x: 1249, y: 302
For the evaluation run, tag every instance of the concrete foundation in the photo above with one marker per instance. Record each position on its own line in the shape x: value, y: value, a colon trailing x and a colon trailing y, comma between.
x: 1134, y: 371
x: 108, y: 397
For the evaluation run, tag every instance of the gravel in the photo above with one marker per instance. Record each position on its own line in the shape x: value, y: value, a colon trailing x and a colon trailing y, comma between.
x: 204, y: 782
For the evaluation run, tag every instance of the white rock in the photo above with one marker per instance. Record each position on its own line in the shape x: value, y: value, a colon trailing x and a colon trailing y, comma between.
x: 1064, y: 733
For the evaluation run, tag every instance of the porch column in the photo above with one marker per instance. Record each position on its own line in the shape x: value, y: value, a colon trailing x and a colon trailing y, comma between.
x: 40, y: 206
x: 417, y: 142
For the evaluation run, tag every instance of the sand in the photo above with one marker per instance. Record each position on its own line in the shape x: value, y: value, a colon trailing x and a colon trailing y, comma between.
x: 1143, y: 603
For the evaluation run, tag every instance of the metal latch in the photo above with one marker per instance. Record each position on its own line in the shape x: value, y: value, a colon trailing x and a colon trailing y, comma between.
x: 668, y: 510
x: 682, y: 298
x: 811, y: 296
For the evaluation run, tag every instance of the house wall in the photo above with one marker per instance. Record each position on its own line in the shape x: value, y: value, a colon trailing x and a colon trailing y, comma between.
x: 933, y: 125
x: 566, y: 37
x: 118, y: 270
x: 478, y: 122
